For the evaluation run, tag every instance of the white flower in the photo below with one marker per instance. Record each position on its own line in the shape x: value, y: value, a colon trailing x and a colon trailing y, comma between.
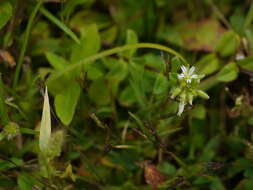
x: 181, y: 108
x: 187, y: 74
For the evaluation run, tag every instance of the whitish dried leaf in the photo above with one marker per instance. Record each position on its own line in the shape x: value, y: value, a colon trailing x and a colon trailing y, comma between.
x: 45, y: 128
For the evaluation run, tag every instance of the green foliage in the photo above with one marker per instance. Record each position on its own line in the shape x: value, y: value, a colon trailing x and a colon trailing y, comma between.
x: 143, y: 95
x: 5, y: 13
x: 65, y: 103
x: 228, y: 73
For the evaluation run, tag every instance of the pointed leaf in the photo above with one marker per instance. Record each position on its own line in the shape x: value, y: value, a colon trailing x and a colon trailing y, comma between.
x: 58, y: 23
x: 45, y: 128
x: 5, y: 13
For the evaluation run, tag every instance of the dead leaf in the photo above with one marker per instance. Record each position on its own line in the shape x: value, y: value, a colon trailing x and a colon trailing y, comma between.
x: 152, y: 175
x: 198, y: 36
x: 7, y: 57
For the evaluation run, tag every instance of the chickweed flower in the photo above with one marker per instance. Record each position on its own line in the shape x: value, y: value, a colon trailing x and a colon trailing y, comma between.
x: 187, y: 88
x: 187, y: 74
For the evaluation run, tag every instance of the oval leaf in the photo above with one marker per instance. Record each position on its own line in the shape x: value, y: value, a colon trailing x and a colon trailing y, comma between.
x: 65, y: 103
x: 228, y: 73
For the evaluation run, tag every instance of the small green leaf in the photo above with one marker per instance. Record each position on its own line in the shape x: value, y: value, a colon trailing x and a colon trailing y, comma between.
x: 99, y: 92
x: 228, y: 44
x: 246, y: 63
x: 228, y: 73
x: 27, y: 181
x: 208, y: 64
x: 161, y: 84
x: 58, y: 23
x: 249, y: 16
x: 118, y: 73
x: 176, y: 63
x: 5, y: 13
x: 24, y: 182
x: 45, y: 126
x: 132, y: 38
x: 89, y: 44
x: 198, y: 112
x: 56, y: 61
x: 65, y: 102
x: 127, y: 96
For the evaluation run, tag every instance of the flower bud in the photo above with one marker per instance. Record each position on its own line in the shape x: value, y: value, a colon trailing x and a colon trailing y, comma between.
x: 175, y: 92
x: 202, y: 94
x: 11, y: 130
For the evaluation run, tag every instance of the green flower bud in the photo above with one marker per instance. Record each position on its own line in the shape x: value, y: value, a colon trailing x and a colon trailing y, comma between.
x: 11, y: 130
x: 175, y: 92
x: 202, y: 94
x: 190, y: 98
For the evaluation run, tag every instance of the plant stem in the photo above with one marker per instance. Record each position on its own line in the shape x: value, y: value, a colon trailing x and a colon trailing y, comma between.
x: 114, y: 51
x: 3, y: 110
x: 24, y: 45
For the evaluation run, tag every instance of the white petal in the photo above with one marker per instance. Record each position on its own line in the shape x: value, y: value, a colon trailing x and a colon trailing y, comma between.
x: 189, y: 80
x: 184, y: 69
x: 194, y: 76
x: 190, y: 99
x: 180, y: 108
x: 192, y: 69
x: 180, y: 76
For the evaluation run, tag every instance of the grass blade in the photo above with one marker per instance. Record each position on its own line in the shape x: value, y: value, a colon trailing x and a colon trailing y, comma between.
x: 24, y: 45
x: 58, y: 23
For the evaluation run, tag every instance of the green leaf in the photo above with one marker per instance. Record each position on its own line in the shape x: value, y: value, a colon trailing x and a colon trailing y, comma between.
x: 127, y: 96
x: 60, y: 84
x: 217, y: 184
x: 228, y: 44
x: 24, y: 182
x: 28, y: 131
x: 89, y: 44
x: 118, y: 73
x: 56, y: 61
x: 58, y: 23
x: 249, y: 16
x: 132, y: 38
x: 99, y: 92
x: 5, y: 13
x: 208, y: 64
x: 45, y: 126
x: 27, y: 181
x: 65, y: 102
x: 176, y: 63
x: 228, y: 73
x: 168, y: 168
x: 161, y: 84
x: 198, y: 112
x: 246, y: 63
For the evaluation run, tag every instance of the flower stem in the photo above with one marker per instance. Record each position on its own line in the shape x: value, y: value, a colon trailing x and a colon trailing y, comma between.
x: 114, y: 51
